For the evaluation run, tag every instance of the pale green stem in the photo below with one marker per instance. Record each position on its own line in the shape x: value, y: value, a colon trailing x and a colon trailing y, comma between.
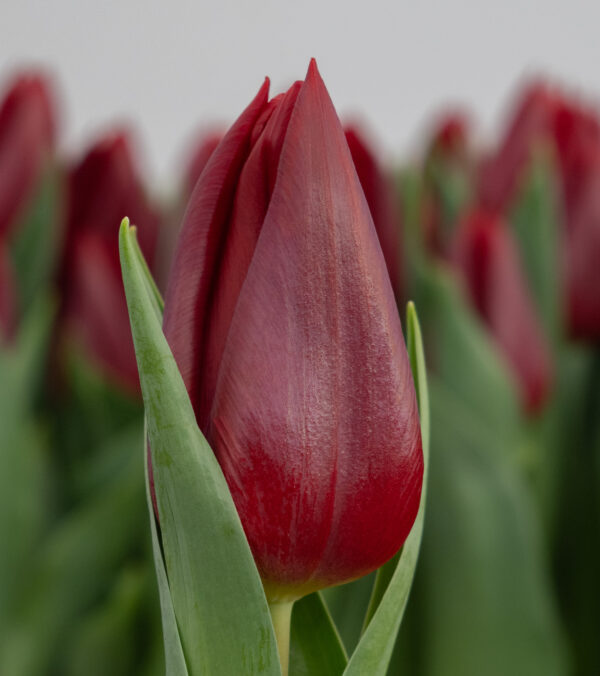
x: 281, y: 615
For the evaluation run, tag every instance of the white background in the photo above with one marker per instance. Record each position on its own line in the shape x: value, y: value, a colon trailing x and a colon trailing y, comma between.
x: 171, y: 66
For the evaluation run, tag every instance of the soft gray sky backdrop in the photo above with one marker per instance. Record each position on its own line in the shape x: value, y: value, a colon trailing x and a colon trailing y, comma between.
x: 173, y: 65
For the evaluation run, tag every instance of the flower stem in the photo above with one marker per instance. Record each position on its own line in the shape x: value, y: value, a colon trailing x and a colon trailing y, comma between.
x: 281, y: 615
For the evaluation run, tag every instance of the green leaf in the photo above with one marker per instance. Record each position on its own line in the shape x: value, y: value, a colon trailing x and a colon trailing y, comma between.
x: 466, y: 359
x: 316, y: 648
x: 37, y: 241
x: 484, y: 598
x: 535, y: 222
x: 348, y: 605
x: 217, y: 595
x: 104, y: 641
x: 174, y: 658
x: 374, y: 650
x: 74, y: 566
x: 23, y: 455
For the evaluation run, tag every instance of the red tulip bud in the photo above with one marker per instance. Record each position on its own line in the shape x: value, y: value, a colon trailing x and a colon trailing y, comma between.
x: 488, y: 258
x: 379, y: 192
x: 450, y: 134
x: 104, y: 188
x: 27, y: 130
x: 282, y: 320
x: 501, y: 173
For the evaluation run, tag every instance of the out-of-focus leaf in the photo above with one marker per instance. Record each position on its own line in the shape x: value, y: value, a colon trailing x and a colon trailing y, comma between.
x: 484, y: 596
x: 577, y: 500
x: 105, y: 641
x: 23, y: 456
x: 75, y: 564
x: 219, y: 603
x: 316, y: 648
x: 462, y: 355
x: 374, y: 650
x: 37, y: 240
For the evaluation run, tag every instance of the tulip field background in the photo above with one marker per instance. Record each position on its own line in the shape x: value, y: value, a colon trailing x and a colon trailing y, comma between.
x: 475, y: 135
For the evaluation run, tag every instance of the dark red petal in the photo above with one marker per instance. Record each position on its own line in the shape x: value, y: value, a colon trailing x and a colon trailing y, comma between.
x: 97, y: 311
x: 104, y: 188
x: 489, y: 259
x: 252, y: 197
x: 379, y: 192
x: 26, y: 139
x: 315, y: 421
x: 200, y: 242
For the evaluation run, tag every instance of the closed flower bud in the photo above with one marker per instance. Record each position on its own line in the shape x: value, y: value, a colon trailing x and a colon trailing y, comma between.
x: 27, y: 133
x: 282, y: 320
x: 488, y: 258
x: 104, y: 187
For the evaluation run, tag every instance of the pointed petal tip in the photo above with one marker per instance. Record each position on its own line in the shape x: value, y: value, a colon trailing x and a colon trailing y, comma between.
x: 264, y: 88
x: 313, y: 70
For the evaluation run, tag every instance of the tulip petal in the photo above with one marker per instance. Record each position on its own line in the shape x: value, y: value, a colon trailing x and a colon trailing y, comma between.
x: 315, y: 417
x: 194, y: 265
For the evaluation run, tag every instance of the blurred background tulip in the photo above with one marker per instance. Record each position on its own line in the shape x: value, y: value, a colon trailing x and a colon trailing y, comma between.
x: 487, y: 258
x: 102, y: 186
x: 27, y: 141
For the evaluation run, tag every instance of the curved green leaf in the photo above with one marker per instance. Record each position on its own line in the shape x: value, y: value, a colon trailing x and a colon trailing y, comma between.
x: 485, y: 603
x: 174, y: 658
x: 217, y: 595
x: 374, y: 650
x: 316, y: 648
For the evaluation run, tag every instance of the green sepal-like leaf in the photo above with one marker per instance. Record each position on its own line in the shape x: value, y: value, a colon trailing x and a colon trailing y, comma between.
x: 217, y: 595
x: 316, y: 647
x: 374, y: 650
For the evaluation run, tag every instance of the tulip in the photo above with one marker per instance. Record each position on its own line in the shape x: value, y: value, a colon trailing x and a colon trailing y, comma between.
x: 500, y: 174
x: 447, y: 181
x: 7, y: 297
x: 282, y: 320
x: 103, y: 188
x: 27, y: 133
x: 450, y: 135
x: 547, y: 115
x: 379, y: 193
x: 488, y: 258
